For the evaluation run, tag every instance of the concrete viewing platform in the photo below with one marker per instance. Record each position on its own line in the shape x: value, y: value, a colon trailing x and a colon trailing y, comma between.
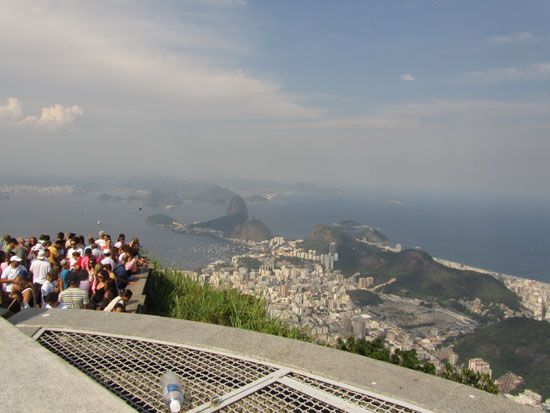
x: 223, y: 369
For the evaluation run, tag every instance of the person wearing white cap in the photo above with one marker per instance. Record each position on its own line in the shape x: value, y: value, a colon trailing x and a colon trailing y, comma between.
x: 39, y: 268
x: 13, y: 270
x: 108, y: 259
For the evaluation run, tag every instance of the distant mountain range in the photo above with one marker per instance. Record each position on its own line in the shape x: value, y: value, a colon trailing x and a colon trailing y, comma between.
x: 214, y: 194
x: 159, y: 198
x: 416, y: 274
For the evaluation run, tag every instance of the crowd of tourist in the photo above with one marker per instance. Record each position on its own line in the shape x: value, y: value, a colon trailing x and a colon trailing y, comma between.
x: 68, y: 272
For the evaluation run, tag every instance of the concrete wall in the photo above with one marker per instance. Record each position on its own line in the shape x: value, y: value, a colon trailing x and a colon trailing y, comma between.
x: 35, y: 380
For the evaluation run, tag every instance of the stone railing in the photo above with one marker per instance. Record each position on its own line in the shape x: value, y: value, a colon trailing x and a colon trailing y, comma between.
x: 137, y: 303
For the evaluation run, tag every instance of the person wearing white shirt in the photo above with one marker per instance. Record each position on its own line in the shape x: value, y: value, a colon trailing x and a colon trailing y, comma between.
x: 13, y: 270
x: 73, y: 249
x: 107, y: 259
x: 101, y: 241
x: 52, y: 301
x: 40, y: 268
x: 49, y: 286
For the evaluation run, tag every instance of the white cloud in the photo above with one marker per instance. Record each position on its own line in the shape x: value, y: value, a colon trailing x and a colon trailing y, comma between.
x: 513, y: 38
x: 54, y: 116
x: 130, y: 57
x: 534, y: 71
x: 144, y: 69
x: 12, y: 110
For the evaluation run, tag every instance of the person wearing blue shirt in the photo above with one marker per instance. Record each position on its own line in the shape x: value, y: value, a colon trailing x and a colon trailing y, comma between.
x: 64, y: 275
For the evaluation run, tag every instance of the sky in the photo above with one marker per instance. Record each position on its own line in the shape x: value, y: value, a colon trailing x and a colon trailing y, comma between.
x: 415, y: 94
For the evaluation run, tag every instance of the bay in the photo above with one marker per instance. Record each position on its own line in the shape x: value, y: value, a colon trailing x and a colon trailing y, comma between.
x: 509, y: 236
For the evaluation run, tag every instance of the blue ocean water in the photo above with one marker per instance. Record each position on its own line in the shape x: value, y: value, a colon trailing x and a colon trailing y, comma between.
x: 505, y: 235
x: 33, y: 214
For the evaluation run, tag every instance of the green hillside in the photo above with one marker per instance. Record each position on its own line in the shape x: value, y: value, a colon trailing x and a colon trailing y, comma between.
x: 420, y: 276
x: 417, y: 274
x: 350, y: 252
x: 160, y: 219
x: 357, y: 230
x: 520, y: 345
x: 373, y: 235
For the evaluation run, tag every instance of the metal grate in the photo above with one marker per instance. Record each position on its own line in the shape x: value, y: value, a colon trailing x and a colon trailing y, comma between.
x: 364, y: 400
x: 131, y: 368
x: 278, y: 398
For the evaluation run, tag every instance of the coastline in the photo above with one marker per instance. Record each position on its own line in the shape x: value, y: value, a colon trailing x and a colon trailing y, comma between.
x: 498, y: 275
x: 534, y: 294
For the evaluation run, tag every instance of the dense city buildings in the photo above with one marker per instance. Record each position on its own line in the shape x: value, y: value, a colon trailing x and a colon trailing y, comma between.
x: 535, y: 295
x: 303, y: 288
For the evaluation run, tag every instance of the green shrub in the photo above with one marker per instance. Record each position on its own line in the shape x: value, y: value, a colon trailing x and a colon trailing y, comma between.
x: 172, y: 293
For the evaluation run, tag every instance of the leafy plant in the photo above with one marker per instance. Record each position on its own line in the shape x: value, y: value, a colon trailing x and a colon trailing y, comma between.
x: 172, y: 293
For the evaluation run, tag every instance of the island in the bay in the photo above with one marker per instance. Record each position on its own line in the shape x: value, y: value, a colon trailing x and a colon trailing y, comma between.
x: 236, y: 224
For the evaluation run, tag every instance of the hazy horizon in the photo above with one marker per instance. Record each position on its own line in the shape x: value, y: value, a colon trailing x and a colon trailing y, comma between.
x: 410, y: 95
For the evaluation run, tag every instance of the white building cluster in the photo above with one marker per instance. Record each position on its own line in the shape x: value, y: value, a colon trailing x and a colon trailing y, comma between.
x: 535, y: 295
x: 303, y: 288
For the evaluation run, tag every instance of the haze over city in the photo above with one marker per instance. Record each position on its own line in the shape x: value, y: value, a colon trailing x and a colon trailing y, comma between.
x: 418, y: 94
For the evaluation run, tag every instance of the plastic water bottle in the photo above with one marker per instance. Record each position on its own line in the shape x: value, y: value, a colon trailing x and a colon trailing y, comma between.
x: 173, y: 396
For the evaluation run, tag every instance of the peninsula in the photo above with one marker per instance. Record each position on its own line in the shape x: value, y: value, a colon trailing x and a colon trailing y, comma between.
x: 236, y: 224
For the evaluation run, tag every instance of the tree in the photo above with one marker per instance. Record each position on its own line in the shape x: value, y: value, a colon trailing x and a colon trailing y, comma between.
x: 409, y: 359
x: 469, y: 378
